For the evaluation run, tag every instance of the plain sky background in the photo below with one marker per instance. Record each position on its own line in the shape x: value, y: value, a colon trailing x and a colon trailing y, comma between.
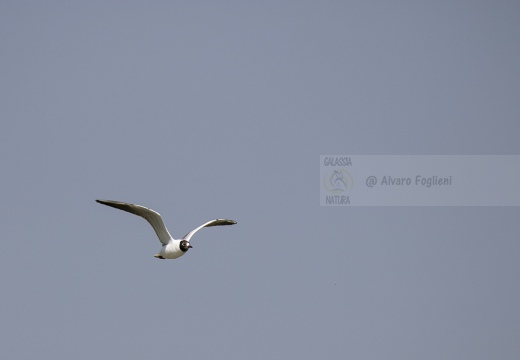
x: 206, y: 109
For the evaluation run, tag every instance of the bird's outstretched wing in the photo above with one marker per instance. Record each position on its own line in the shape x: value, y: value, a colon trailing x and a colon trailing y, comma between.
x: 153, y: 217
x: 216, y: 222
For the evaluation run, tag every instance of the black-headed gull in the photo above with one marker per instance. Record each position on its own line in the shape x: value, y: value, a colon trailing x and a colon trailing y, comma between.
x: 172, y: 249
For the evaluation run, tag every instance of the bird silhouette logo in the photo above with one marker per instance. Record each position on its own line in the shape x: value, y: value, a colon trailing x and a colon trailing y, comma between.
x: 338, y: 181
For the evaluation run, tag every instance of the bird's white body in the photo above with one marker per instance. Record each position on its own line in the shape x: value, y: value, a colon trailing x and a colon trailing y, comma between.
x: 171, y: 249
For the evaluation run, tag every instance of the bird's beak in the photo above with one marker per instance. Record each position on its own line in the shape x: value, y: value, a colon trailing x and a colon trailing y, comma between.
x: 189, y: 245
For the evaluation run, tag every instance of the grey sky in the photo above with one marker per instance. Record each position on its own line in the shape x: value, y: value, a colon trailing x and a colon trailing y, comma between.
x: 221, y: 109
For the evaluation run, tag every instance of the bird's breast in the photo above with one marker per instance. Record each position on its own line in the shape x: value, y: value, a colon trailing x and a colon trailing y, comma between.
x: 172, y: 250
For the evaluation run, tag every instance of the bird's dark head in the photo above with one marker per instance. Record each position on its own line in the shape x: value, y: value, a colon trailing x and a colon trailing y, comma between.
x: 185, y: 245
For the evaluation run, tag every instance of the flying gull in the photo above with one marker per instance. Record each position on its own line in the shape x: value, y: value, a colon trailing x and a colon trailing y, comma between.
x: 171, y: 249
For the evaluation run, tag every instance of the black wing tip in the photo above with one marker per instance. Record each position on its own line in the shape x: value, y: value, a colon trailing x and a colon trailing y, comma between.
x: 107, y: 202
x: 114, y: 204
x: 221, y: 222
x: 110, y: 202
x: 226, y: 222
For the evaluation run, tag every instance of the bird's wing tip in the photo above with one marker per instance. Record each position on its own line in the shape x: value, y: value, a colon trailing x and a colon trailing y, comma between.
x: 225, y: 222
